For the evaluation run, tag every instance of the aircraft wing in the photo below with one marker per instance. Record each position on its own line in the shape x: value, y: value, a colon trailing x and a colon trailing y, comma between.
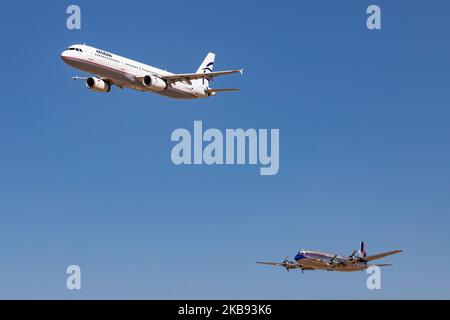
x: 104, y: 79
x: 278, y: 264
x: 290, y: 266
x: 221, y: 90
x: 381, y: 255
x: 193, y: 76
x: 80, y: 78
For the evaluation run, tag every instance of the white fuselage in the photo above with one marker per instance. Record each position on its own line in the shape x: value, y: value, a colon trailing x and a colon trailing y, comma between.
x: 123, y: 72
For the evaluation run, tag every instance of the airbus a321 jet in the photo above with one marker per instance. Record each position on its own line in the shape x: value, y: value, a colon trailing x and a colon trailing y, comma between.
x: 111, y: 69
x: 315, y: 260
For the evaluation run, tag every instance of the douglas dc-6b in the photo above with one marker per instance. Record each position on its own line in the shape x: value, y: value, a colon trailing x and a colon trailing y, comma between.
x: 111, y: 69
x: 315, y: 260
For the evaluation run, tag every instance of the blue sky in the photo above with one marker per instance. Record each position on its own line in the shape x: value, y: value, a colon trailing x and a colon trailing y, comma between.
x: 87, y: 179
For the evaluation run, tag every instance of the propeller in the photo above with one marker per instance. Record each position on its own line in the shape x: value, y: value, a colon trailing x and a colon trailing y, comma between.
x: 286, y: 263
x: 352, y: 257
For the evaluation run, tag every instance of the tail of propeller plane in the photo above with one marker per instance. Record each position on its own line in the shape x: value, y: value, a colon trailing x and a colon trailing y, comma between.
x: 362, y: 250
x: 316, y: 260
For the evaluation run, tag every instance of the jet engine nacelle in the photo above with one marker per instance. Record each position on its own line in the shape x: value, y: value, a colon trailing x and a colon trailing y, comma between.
x: 97, y: 85
x: 154, y: 83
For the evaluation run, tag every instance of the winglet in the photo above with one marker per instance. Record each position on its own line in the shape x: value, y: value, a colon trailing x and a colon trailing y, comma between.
x: 241, y: 71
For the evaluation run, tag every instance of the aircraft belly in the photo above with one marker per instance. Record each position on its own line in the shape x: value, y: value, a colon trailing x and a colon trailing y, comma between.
x: 321, y: 265
x: 310, y: 263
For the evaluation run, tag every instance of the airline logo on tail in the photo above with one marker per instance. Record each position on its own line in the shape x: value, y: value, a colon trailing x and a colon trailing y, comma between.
x: 207, y: 67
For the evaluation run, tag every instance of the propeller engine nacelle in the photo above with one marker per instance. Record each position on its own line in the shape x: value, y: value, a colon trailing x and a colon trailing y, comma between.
x: 97, y: 85
x: 288, y: 264
x: 154, y: 83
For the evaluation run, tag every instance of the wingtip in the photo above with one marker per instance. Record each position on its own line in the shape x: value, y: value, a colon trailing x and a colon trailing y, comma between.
x: 241, y: 71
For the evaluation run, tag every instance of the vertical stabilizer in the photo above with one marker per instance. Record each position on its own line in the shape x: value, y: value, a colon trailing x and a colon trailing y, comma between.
x: 207, y: 67
x: 362, y: 250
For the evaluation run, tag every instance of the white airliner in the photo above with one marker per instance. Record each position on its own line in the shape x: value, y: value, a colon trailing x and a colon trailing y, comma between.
x: 315, y: 260
x: 111, y: 69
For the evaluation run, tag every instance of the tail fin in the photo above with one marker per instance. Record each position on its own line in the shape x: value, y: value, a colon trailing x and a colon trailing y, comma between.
x: 362, y: 250
x: 207, y: 67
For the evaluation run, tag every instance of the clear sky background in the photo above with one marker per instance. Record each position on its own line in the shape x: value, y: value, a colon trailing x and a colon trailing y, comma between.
x: 87, y: 179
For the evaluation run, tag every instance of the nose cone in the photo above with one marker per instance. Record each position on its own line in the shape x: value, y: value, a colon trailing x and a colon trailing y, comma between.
x: 64, y: 56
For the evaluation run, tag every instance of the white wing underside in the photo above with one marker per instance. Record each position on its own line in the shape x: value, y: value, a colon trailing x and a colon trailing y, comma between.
x: 195, y: 76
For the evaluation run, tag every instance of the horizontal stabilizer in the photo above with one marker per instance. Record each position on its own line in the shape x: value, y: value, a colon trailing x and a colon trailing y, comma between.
x: 383, y: 265
x: 221, y: 90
